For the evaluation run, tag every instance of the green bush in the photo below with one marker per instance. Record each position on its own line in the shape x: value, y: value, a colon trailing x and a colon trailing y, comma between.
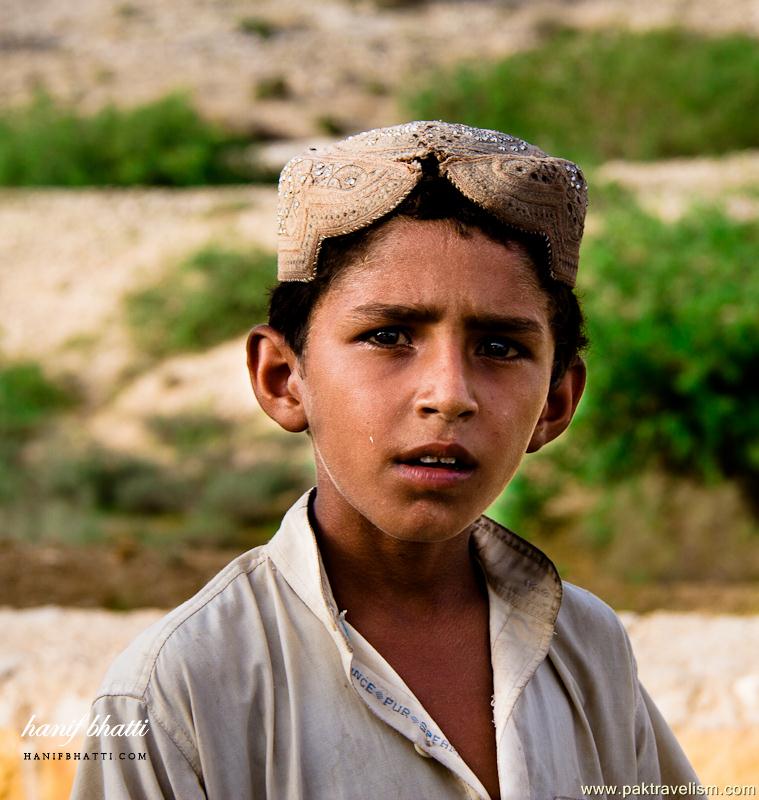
x: 257, y: 26
x: 162, y: 143
x: 108, y: 481
x: 155, y: 491
x: 674, y: 332
x: 522, y: 506
x: 206, y: 499
x: 275, y: 87
x: 27, y: 399
x: 610, y: 94
x: 214, y: 295
x: 255, y: 495
x: 191, y: 433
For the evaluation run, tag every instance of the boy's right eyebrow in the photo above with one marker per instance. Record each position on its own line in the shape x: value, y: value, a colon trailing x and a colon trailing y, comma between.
x: 382, y: 312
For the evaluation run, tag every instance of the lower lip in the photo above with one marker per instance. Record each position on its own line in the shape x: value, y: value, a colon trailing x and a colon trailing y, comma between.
x: 433, y: 476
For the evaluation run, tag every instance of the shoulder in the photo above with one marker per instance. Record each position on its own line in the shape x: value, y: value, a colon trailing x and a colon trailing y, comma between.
x: 193, y: 631
x: 591, y: 645
x: 184, y: 675
x: 584, y: 615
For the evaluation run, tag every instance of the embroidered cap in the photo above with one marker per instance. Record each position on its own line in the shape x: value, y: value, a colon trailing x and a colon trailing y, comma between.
x: 344, y: 187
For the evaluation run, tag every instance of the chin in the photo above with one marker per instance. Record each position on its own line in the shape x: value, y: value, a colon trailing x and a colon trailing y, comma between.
x: 427, y: 525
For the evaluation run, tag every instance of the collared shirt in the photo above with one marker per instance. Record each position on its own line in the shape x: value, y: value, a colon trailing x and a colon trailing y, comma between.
x: 258, y: 687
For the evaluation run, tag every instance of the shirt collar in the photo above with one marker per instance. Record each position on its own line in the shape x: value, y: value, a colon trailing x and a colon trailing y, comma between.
x: 516, y: 571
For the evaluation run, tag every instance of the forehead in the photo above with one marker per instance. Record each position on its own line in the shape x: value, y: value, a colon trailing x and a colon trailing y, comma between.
x: 440, y: 261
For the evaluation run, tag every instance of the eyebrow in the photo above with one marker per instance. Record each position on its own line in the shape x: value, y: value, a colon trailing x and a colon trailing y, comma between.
x: 384, y: 312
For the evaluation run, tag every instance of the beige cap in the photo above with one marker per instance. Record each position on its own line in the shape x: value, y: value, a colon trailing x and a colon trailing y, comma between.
x: 346, y: 186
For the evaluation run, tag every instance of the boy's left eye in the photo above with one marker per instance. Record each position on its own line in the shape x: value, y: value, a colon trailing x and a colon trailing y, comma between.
x: 499, y: 348
x: 387, y: 337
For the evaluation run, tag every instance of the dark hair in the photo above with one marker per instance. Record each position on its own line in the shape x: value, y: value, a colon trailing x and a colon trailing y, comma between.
x: 292, y: 302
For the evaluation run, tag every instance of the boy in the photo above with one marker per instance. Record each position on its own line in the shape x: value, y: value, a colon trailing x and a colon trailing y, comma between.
x: 390, y: 642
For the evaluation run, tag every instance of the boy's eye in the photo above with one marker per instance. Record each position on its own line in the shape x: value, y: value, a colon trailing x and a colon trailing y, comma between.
x: 499, y: 348
x: 388, y: 337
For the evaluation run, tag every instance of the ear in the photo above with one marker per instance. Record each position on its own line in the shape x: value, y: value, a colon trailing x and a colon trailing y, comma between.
x: 274, y: 376
x: 559, y: 407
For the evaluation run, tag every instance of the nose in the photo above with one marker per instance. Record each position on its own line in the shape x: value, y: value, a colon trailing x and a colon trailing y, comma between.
x: 445, y: 387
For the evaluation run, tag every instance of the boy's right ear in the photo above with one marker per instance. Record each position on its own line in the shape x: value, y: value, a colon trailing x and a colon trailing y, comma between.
x: 275, y: 378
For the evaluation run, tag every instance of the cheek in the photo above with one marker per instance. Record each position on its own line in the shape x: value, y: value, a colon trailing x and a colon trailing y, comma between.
x: 341, y: 417
x: 518, y: 401
x: 513, y: 423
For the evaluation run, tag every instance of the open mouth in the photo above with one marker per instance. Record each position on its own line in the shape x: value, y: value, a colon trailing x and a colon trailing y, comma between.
x: 438, y: 462
x: 442, y: 457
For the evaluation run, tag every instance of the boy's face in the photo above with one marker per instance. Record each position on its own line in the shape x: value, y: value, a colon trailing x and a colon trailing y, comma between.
x: 435, y: 346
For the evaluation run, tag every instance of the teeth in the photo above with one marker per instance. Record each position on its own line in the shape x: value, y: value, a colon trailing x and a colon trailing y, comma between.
x: 437, y: 460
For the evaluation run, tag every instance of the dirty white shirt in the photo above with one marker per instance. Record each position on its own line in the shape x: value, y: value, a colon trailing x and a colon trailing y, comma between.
x: 258, y: 688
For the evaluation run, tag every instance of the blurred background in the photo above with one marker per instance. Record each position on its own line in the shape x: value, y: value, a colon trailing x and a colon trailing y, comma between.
x: 139, y: 149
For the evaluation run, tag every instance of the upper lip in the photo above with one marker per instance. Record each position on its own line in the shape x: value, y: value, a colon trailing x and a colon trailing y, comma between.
x: 440, y: 450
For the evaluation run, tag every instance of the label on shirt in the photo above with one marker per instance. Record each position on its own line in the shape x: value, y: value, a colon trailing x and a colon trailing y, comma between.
x: 394, y: 702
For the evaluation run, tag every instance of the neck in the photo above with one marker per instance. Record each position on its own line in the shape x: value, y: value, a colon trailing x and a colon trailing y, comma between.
x: 368, y: 566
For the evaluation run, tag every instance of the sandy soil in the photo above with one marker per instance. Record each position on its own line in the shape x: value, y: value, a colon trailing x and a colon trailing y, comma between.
x: 669, y: 188
x: 69, y: 257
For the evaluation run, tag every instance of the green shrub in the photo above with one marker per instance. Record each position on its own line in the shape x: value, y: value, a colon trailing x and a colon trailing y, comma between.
x: 523, y: 505
x: 190, y: 433
x: 154, y: 490
x: 257, y: 26
x: 162, y: 143
x: 330, y: 125
x: 610, y: 94
x: 109, y: 481
x: 672, y: 320
x: 27, y: 399
x: 275, y: 87
x: 254, y: 495
x: 107, y: 484
x: 128, y: 11
x: 214, y: 295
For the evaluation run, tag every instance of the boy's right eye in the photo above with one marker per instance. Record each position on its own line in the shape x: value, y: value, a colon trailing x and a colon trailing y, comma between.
x: 387, y: 337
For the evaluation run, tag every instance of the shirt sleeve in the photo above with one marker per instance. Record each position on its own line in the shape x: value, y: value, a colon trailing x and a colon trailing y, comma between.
x: 661, y: 760
x: 145, y: 762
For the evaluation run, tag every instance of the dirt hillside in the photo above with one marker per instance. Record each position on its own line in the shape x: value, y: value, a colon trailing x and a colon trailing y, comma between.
x: 284, y: 66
